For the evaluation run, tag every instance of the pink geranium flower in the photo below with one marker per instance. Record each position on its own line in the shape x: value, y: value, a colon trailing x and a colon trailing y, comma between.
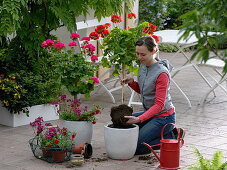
x: 73, y: 43
x: 86, y: 39
x: 74, y: 36
x: 47, y: 43
x: 90, y: 47
x: 95, y: 80
x: 44, y: 44
x: 94, y: 57
x: 59, y: 45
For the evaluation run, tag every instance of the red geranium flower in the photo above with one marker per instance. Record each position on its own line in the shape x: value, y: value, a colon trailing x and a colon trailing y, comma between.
x: 107, y: 25
x: 150, y: 29
x: 49, y: 146
x: 94, y: 35
x: 100, y: 28
x: 116, y: 18
x: 73, y: 136
x: 56, y: 142
x: 157, y: 39
x: 131, y: 15
x: 97, y: 111
x: 105, y: 33
x: 94, y: 122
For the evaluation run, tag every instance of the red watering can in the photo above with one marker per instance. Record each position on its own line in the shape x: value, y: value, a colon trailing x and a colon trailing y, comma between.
x: 169, y: 150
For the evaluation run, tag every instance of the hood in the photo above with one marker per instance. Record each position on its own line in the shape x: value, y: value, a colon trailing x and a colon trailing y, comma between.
x: 167, y: 64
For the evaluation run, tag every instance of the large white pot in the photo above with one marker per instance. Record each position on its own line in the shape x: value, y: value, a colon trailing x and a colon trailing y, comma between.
x: 47, y: 111
x: 121, y: 143
x: 83, y: 130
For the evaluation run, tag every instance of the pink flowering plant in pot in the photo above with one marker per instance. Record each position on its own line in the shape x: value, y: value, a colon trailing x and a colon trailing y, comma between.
x: 74, y: 64
x: 73, y: 110
x: 52, y: 137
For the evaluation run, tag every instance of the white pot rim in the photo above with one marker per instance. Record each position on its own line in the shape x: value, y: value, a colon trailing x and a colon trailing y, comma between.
x: 81, y: 121
x: 107, y: 126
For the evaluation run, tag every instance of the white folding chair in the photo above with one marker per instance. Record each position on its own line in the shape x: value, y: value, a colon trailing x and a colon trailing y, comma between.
x: 132, y: 97
x: 216, y: 65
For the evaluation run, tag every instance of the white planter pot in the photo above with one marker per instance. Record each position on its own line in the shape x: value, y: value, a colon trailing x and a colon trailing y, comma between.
x: 46, y: 111
x: 83, y: 130
x: 121, y: 143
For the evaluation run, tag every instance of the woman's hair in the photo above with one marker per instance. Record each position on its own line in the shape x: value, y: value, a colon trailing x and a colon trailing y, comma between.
x: 147, y: 41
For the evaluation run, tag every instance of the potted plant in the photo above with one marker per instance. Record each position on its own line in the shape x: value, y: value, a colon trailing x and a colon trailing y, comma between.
x: 76, y: 73
x: 119, y: 48
x: 54, y: 142
x: 77, y: 117
x: 119, y: 52
x: 25, y: 93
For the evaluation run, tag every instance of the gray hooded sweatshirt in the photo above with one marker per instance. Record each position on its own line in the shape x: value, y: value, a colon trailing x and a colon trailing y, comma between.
x: 147, y: 82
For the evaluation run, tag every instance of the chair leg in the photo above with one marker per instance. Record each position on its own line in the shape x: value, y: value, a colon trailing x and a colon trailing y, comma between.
x: 109, y: 93
x: 185, y: 96
x: 218, y: 83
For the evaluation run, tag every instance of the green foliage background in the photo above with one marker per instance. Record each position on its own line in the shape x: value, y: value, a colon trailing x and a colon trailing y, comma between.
x: 29, y: 22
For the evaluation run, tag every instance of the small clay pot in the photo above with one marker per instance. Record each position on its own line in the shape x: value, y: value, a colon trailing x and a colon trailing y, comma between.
x: 46, y: 153
x: 58, y: 156
x: 84, y: 149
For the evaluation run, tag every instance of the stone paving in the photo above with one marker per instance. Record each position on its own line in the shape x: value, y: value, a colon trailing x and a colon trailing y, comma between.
x: 206, y: 129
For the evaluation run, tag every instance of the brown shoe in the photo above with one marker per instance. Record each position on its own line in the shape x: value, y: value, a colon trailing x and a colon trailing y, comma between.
x: 182, y: 133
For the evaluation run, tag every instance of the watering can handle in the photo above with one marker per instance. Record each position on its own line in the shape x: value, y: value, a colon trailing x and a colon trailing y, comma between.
x: 178, y: 131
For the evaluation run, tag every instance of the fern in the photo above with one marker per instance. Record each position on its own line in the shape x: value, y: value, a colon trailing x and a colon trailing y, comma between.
x: 204, y: 164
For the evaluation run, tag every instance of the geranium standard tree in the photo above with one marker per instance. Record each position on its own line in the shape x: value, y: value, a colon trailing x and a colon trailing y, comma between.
x: 119, y: 46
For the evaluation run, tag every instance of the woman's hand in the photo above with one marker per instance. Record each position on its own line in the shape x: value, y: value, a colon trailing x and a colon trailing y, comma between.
x: 132, y: 119
x: 127, y: 80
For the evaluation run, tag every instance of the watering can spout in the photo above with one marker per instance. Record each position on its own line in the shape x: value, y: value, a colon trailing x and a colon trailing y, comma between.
x: 152, y: 150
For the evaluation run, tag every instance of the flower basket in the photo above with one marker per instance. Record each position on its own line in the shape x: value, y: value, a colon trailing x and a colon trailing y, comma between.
x: 48, y: 154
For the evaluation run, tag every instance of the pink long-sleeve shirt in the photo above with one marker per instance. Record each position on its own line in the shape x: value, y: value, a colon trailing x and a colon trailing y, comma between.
x: 160, y: 96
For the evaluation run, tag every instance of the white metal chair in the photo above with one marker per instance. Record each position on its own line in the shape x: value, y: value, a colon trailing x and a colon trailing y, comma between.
x: 133, y: 102
x: 216, y: 65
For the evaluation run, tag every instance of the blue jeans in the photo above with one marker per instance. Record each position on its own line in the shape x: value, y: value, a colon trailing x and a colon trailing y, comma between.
x: 150, y: 131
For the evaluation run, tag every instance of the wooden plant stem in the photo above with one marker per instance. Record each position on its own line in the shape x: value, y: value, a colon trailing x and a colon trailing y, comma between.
x: 123, y: 85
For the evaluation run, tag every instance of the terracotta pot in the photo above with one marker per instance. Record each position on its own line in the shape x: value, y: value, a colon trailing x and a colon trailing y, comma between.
x: 58, y: 156
x: 83, y: 149
x: 46, y: 153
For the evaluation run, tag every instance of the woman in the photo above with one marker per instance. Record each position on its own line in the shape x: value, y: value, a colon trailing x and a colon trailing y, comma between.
x: 153, y: 85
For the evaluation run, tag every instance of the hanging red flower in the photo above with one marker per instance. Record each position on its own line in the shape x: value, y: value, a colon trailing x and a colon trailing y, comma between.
x: 100, y: 28
x: 157, y: 39
x: 94, y: 35
x: 131, y: 15
x: 116, y: 18
x: 150, y: 29
x: 105, y: 33
x: 107, y: 25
